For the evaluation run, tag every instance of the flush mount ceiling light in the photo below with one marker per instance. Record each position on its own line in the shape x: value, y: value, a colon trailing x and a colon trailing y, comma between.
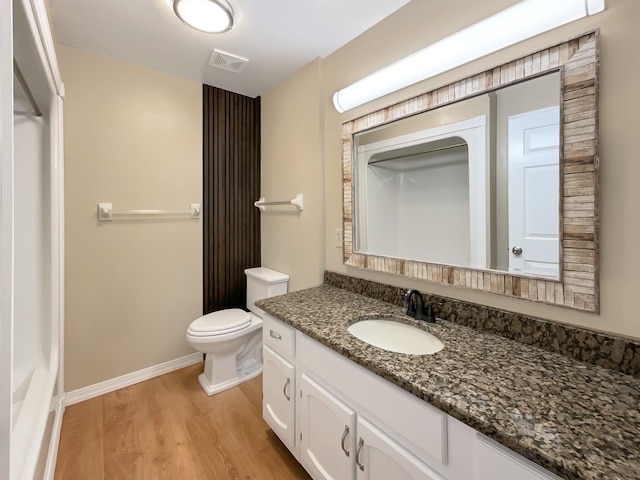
x: 519, y: 22
x: 209, y: 16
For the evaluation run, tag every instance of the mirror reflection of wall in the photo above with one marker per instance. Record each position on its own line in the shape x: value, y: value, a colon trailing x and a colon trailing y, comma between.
x: 440, y: 187
x: 411, y: 198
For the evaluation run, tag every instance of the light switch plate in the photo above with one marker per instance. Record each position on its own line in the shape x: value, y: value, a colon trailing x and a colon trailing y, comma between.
x: 338, y: 237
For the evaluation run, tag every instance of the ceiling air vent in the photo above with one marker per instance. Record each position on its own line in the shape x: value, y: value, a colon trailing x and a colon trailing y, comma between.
x: 227, y: 61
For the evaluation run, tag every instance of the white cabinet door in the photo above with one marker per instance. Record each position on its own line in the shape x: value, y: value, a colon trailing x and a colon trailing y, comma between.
x: 495, y: 462
x: 327, y: 428
x: 278, y: 390
x: 379, y: 457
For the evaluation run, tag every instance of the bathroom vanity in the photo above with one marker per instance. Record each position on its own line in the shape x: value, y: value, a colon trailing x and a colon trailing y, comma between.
x: 484, y: 407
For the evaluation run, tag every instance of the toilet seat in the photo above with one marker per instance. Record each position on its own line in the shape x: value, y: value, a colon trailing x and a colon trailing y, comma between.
x: 221, y: 322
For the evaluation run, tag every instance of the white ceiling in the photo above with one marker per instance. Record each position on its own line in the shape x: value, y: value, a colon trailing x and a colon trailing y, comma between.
x: 277, y: 36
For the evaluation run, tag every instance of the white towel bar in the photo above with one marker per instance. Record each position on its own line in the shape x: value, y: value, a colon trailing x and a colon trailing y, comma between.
x: 106, y: 212
x: 297, y: 202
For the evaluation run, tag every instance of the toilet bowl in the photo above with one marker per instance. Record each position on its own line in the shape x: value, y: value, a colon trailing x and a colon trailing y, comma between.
x: 232, y: 338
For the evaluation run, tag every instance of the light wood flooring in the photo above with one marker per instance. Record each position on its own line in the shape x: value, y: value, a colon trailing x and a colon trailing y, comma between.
x: 168, y: 428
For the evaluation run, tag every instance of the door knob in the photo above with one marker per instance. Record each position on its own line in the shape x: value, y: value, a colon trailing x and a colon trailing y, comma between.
x: 516, y: 250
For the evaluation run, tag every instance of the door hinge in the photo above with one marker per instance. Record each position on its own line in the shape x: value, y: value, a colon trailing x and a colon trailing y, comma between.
x: 300, y: 436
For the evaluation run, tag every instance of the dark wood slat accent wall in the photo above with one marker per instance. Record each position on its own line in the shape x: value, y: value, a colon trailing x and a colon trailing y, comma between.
x: 231, y: 183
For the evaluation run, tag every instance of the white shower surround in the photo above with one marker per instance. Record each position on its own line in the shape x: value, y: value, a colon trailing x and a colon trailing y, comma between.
x: 32, y: 249
x: 473, y: 132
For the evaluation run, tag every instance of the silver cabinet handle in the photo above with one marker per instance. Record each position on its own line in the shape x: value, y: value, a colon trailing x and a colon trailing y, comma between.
x: 516, y: 250
x: 284, y: 390
x: 344, y: 437
x: 275, y: 335
x: 358, y: 451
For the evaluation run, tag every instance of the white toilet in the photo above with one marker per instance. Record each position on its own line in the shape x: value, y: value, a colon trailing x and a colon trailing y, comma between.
x: 232, y: 338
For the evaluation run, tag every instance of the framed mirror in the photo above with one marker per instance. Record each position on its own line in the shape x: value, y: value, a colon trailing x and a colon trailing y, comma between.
x: 489, y: 183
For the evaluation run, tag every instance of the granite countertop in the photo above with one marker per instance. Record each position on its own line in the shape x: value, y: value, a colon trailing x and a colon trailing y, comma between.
x: 578, y: 420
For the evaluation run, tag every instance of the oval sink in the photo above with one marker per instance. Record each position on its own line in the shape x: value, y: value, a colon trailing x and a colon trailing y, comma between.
x: 395, y: 336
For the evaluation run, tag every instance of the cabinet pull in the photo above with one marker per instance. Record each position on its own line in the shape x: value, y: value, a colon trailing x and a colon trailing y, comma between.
x: 358, y: 451
x: 275, y: 335
x: 344, y: 438
x: 284, y: 390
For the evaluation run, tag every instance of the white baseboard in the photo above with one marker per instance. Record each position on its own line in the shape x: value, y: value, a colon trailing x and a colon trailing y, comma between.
x: 132, y: 378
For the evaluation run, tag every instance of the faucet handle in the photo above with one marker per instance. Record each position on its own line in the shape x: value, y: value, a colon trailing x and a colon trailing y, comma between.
x: 429, y: 315
x: 411, y: 305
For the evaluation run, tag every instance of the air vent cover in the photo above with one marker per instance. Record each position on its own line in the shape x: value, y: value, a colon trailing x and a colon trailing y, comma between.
x: 227, y: 61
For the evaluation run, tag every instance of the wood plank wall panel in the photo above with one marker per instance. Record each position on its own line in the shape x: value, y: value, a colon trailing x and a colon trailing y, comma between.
x: 578, y: 62
x: 231, y: 183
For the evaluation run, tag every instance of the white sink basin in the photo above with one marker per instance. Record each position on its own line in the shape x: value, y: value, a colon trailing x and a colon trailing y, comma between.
x: 395, y: 336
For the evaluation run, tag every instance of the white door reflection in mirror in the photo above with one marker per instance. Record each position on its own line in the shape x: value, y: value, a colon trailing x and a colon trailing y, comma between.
x: 534, y: 192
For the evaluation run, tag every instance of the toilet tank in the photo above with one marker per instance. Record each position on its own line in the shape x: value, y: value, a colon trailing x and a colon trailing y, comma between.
x: 264, y: 283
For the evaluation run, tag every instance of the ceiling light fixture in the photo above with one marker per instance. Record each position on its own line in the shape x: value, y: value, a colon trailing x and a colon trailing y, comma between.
x: 519, y: 22
x: 209, y: 16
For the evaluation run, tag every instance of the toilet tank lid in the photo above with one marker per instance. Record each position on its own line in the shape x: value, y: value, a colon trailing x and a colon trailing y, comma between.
x: 266, y: 275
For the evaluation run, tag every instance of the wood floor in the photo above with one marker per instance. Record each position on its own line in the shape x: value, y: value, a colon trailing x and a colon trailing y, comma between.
x: 168, y: 428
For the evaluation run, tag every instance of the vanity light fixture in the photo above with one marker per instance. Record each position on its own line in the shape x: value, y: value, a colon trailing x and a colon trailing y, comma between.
x: 209, y: 16
x: 512, y: 25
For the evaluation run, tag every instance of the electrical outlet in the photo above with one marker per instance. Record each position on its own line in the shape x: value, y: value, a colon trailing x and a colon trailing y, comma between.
x: 338, y: 237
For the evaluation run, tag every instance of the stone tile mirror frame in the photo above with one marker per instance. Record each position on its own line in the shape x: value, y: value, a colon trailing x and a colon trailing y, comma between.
x: 577, y: 60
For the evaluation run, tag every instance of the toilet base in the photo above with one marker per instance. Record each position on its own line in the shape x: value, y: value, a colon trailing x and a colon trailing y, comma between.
x: 231, y: 359
x: 212, y: 389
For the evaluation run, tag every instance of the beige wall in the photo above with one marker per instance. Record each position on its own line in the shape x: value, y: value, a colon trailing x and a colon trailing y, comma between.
x: 133, y: 137
x: 292, y: 157
x: 421, y: 23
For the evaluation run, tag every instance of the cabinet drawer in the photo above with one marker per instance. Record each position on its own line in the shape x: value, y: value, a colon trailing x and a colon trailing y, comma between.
x: 279, y: 336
